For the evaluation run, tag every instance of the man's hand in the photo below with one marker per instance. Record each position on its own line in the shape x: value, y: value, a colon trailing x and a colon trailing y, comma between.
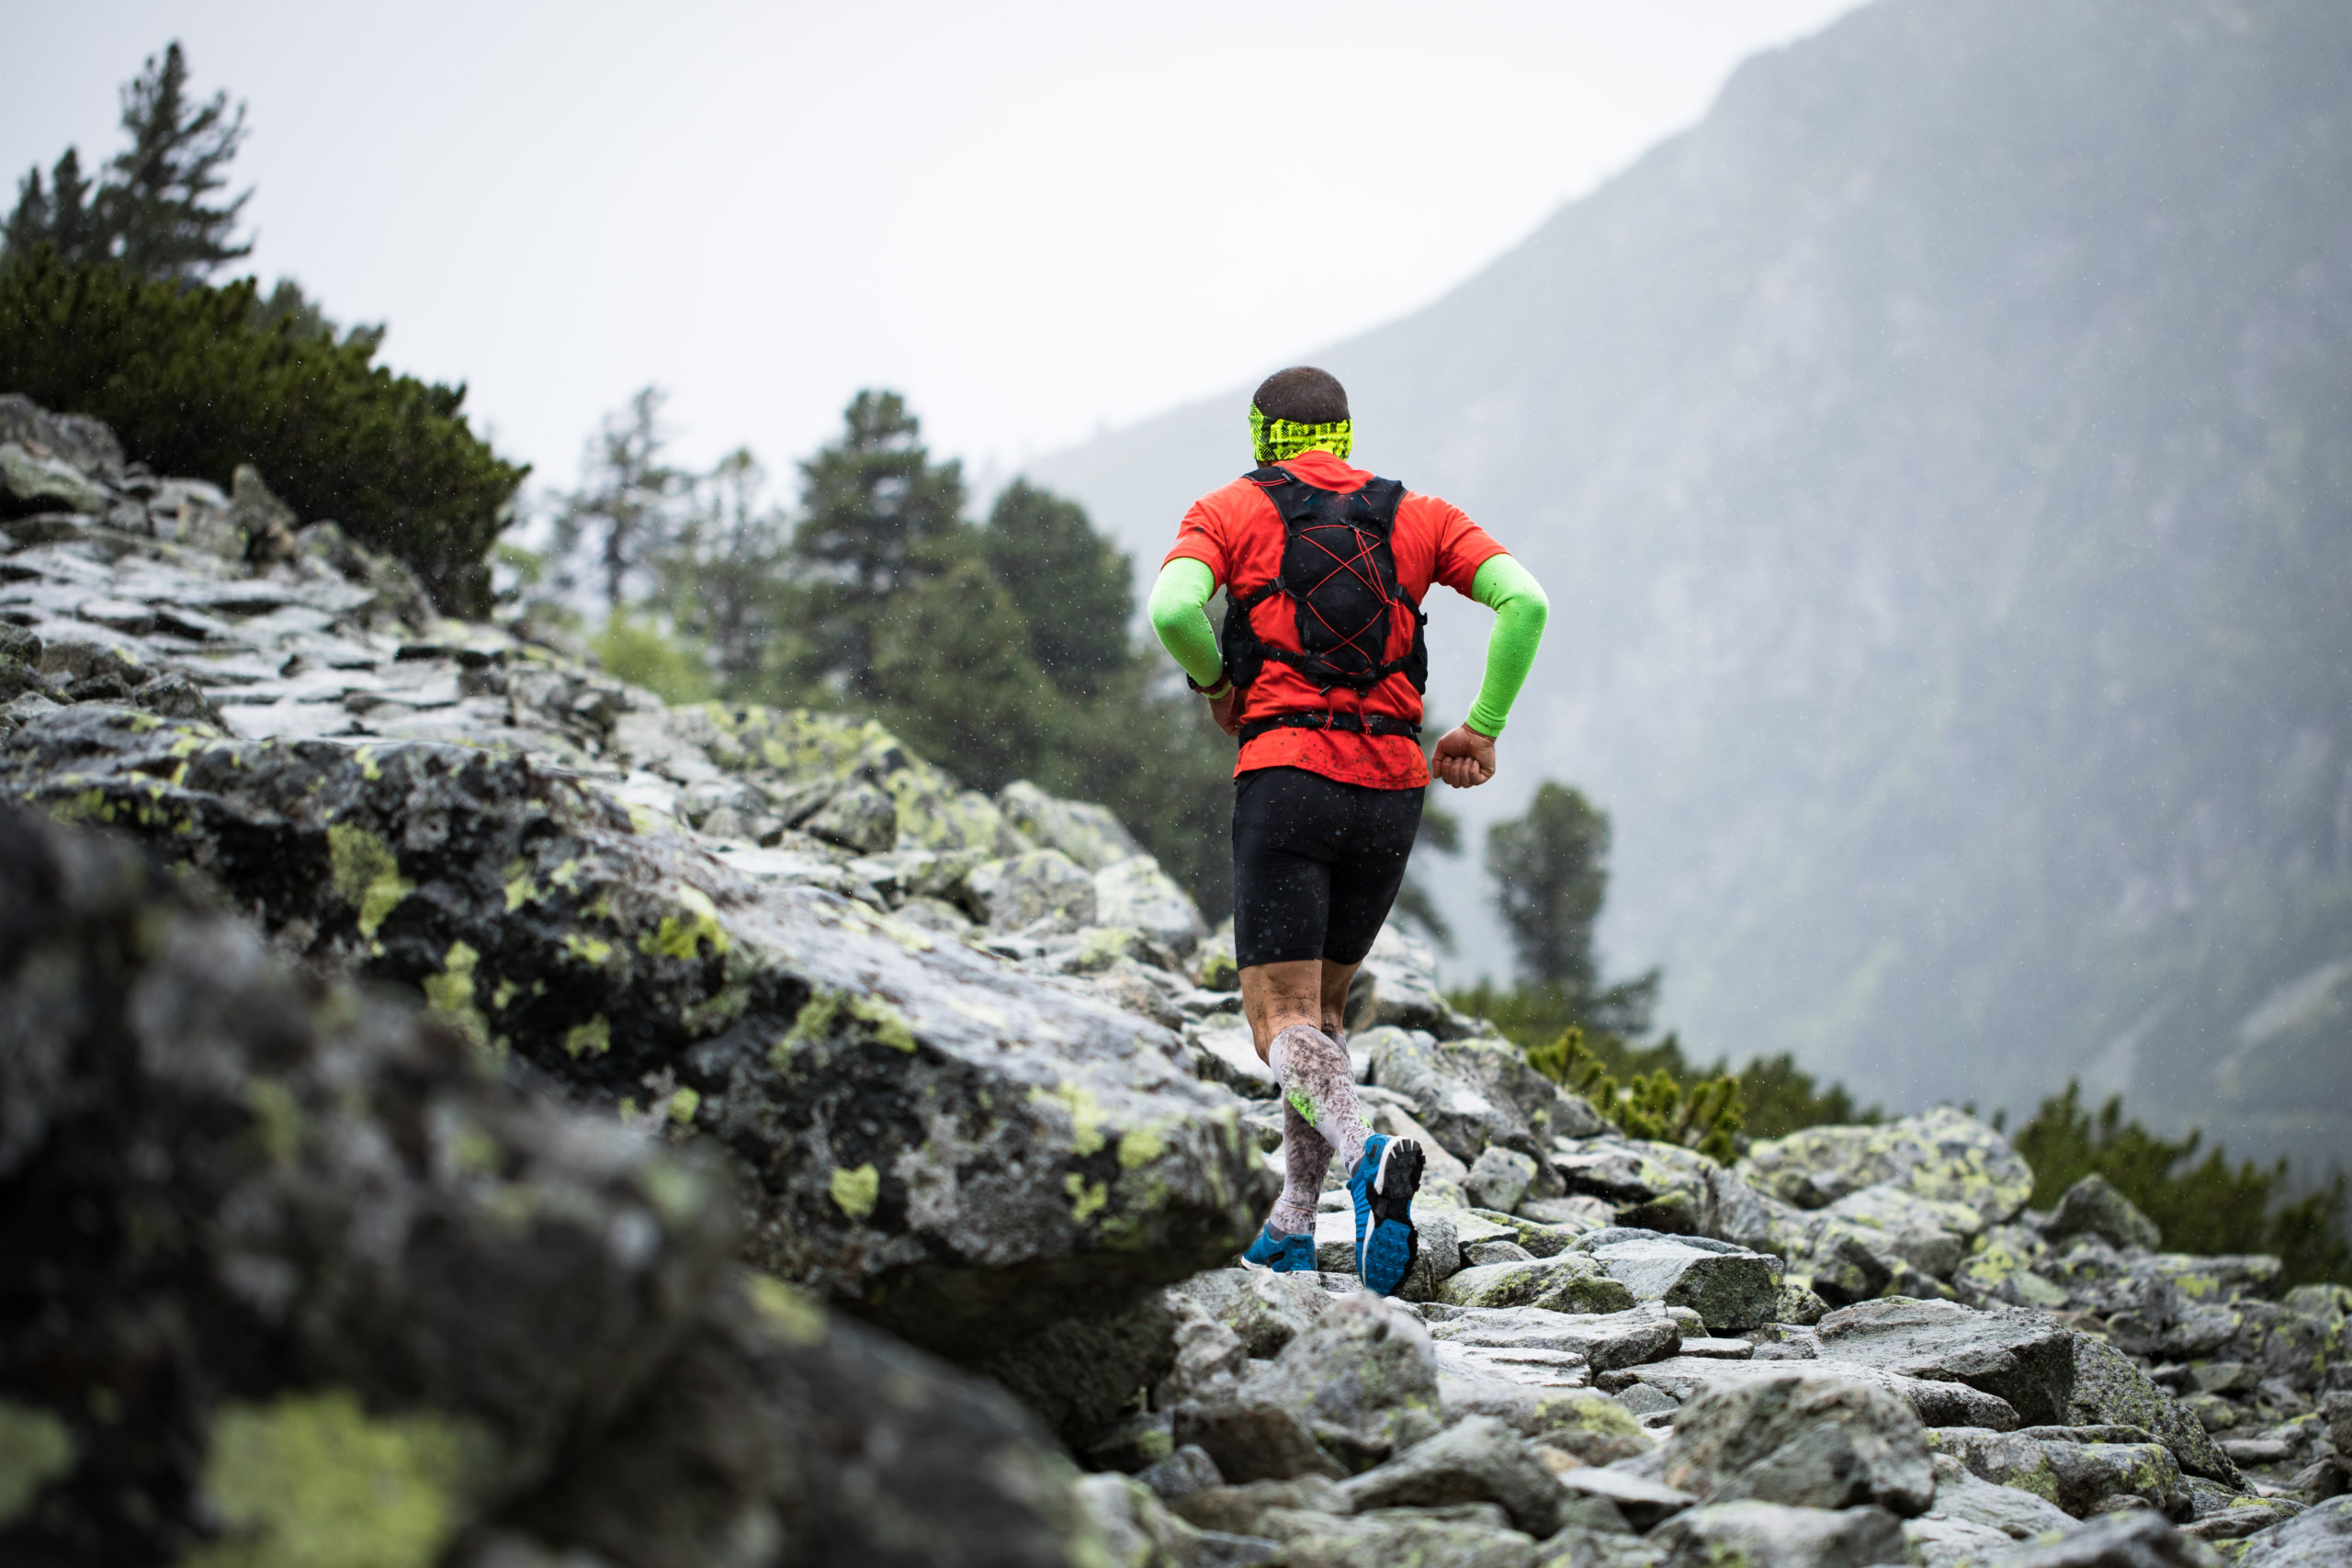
x: 1464, y: 757
x: 1222, y: 710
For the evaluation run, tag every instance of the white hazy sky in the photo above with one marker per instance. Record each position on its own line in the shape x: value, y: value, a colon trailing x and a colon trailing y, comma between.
x: 1037, y: 219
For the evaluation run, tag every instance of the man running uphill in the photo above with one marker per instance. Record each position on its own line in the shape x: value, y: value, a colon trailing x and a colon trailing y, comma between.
x: 1320, y: 672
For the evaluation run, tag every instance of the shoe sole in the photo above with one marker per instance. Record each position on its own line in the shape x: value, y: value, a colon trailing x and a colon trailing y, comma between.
x: 1393, y: 1245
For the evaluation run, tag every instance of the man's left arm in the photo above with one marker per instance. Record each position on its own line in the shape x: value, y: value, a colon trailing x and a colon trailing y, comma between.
x: 1464, y: 757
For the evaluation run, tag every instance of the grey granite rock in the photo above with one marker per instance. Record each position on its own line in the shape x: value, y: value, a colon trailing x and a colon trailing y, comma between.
x: 1571, y: 1282
x: 1767, y: 1535
x: 2133, y: 1539
x: 1804, y: 1438
x: 2019, y: 1357
x: 1478, y: 1458
x: 1730, y: 1288
x: 2093, y: 1207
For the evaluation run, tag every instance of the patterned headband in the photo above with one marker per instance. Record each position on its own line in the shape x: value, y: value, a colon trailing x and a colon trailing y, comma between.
x: 1278, y: 440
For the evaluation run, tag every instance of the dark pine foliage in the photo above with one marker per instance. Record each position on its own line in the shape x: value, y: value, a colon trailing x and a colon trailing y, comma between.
x: 193, y: 386
x: 2201, y: 1205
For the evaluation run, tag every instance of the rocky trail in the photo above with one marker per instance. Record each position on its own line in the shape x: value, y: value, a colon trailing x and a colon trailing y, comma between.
x: 454, y: 1109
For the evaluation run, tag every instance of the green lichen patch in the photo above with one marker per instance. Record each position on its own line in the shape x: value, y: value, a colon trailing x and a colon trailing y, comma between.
x: 681, y: 935
x: 451, y: 992
x: 1140, y: 1148
x: 1085, y: 1112
x: 592, y: 1038
x: 889, y: 1025
x: 810, y: 1025
x: 36, y: 1449
x: 366, y: 873
x: 856, y: 1191
x: 311, y: 1479
x: 788, y: 1313
x: 277, y: 1119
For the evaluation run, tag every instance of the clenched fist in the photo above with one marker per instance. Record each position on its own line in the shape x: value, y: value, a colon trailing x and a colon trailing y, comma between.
x: 1464, y: 757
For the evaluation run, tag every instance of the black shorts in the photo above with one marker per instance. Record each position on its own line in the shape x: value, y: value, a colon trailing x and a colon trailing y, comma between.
x: 1316, y: 864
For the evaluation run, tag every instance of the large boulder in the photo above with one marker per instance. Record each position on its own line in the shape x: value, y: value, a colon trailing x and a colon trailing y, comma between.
x: 1477, y: 1459
x: 1363, y: 1379
x: 2021, y: 1358
x: 1804, y: 1438
x: 2320, y: 1537
x: 1729, y: 1287
x: 2093, y: 1207
x: 2108, y: 1390
x: 325, y: 1290
x: 955, y: 1149
x: 1135, y: 894
x: 1571, y: 1282
x: 1944, y: 1153
x: 1087, y: 833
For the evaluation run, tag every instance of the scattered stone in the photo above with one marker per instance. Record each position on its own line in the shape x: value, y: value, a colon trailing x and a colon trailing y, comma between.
x: 2093, y: 1207
x: 2018, y: 1357
x: 1767, y: 1535
x: 2107, y: 1389
x: 1473, y: 1535
x: 2318, y: 1538
x: 1963, y: 1496
x: 1253, y: 1441
x: 1589, y: 1427
x: 1602, y: 1340
x: 1478, y: 1458
x: 1499, y: 1179
x: 1240, y: 1510
x: 1363, y: 1379
x: 1186, y: 1471
x: 1571, y: 1282
x: 1265, y: 1310
x: 1644, y: 1503
x: 1730, y: 1288
x: 1945, y: 1154
x: 2132, y: 1539
x: 1802, y: 1438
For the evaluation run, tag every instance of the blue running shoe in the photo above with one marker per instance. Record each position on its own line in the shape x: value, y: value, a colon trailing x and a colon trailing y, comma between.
x: 1383, y: 1186
x: 1282, y: 1254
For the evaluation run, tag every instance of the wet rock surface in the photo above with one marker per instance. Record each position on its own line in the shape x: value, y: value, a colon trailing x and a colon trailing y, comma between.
x: 292, y: 1279
x: 716, y: 986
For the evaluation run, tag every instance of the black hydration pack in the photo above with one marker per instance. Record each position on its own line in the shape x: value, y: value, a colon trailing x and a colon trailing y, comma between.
x: 1340, y: 572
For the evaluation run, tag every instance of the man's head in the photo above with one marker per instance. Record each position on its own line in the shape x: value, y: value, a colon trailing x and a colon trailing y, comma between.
x: 1299, y: 410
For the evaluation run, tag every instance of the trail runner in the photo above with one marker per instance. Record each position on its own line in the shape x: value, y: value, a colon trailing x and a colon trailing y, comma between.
x: 1320, y: 672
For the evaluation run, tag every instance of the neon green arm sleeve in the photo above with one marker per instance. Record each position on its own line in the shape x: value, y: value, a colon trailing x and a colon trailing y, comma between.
x: 1517, y: 599
x: 1180, y: 614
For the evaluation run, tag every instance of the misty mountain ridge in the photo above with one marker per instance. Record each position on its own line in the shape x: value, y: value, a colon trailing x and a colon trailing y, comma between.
x: 1935, y: 458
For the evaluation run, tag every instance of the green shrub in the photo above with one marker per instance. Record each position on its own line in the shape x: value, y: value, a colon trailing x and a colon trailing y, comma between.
x: 641, y: 654
x: 1704, y: 1115
x: 193, y: 386
x: 2205, y: 1205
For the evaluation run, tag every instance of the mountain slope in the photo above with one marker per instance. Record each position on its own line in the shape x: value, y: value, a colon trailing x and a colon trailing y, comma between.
x: 1938, y: 460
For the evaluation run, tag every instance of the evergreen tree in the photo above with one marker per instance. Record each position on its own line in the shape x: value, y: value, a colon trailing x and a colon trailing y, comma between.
x: 1550, y: 870
x: 61, y: 216
x: 875, y: 509
x: 627, y: 500
x: 157, y: 205
x: 720, y: 577
x: 1074, y: 586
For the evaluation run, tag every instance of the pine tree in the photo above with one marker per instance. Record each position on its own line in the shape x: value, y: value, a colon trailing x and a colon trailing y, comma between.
x: 720, y: 577
x: 1550, y: 870
x: 157, y: 204
x: 1074, y: 586
x: 154, y: 209
x: 627, y: 502
x: 875, y: 510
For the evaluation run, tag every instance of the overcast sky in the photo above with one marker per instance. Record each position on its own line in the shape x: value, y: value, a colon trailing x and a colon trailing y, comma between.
x: 1035, y: 220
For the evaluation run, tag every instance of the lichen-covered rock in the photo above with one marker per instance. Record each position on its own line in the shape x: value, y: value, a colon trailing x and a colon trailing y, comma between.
x: 1266, y: 1311
x: 1134, y: 891
x: 1588, y: 1426
x: 2108, y: 1390
x: 2093, y: 1207
x: 1087, y: 833
x: 1647, y: 1333
x: 1935, y: 1402
x: 1463, y: 1118
x: 1944, y: 1153
x: 1253, y: 1439
x: 1466, y: 1536
x: 1043, y: 885
x: 328, y: 1291
x: 961, y: 1152
x: 2320, y: 1538
x: 2078, y: 1477
x: 2135, y: 1539
x: 1499, y: 1179
x: 1137, y: 1532
x: 1571, y: 1282
x: 1363, y: 1379
x: 1729, y: 1287
x: 2021, y: 1358
x: 1802, y: 1438
x: 1964, y: 1496
x: 1767, y: 1535
x: 1476, y: 1460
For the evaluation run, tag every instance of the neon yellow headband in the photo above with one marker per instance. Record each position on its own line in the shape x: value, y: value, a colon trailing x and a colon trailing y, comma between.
x: 1278, y: 440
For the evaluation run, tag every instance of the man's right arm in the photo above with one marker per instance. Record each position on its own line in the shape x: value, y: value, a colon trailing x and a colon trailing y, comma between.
x: 1180, y: 614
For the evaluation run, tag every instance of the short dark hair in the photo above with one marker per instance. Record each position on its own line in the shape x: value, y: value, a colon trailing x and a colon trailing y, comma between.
x: 1303, y: 395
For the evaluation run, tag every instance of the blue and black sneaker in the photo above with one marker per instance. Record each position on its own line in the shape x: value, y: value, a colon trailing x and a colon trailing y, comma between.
x: 1383, y: 1186
x: 1282, y: 1254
